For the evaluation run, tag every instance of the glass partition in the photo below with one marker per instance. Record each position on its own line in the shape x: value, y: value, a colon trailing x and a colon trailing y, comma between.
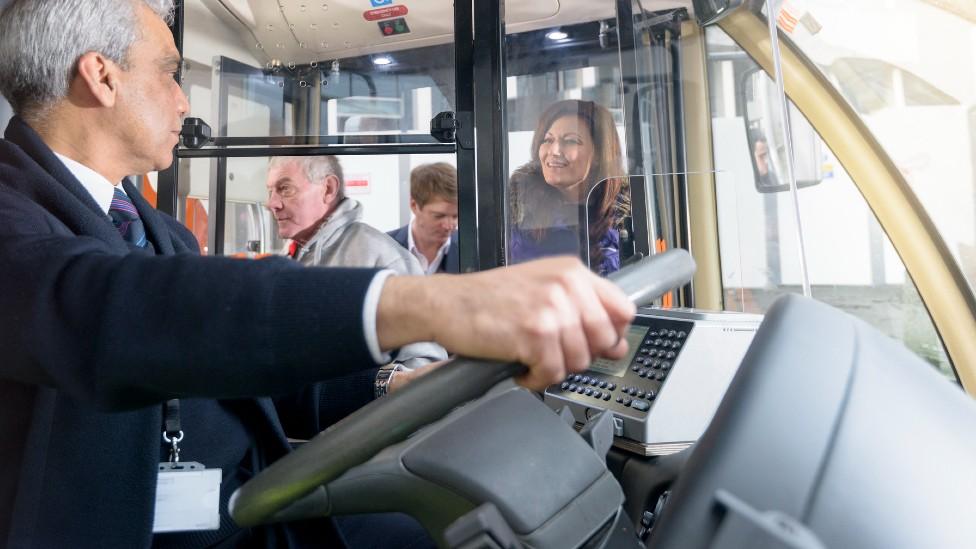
x: 596, y: 225
x: 302, y: 71
x: 381, y: 184
x: 592, y: 95
x: 287, y: 77
x: 603, y: 224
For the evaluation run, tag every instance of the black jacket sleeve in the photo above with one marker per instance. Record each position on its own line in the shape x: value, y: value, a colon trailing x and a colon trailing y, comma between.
x: 123, y: 331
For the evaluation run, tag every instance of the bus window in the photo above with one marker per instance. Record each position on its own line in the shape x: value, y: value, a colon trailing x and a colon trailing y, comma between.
x: 850, y: 260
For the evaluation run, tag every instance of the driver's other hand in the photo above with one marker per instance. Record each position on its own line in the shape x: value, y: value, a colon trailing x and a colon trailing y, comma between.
x: 404, y: 377
x: 553, y: 315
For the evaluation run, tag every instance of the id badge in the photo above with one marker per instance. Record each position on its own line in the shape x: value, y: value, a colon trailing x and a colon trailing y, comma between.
x: 187, y: 498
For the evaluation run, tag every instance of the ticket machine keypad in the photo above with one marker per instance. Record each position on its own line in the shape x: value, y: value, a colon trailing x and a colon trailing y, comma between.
x: 647, y: 372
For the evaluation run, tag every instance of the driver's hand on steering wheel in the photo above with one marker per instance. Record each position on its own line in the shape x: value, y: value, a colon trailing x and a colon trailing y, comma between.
x: 553, y: 315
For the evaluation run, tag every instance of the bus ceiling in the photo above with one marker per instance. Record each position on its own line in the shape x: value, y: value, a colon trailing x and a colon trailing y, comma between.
x: 293, y: 31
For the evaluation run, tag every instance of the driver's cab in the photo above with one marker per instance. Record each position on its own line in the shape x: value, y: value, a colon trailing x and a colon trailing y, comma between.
x: 823, y: 160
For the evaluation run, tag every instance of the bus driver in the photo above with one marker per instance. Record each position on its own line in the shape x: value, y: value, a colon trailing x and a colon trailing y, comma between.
x: 108, y: 312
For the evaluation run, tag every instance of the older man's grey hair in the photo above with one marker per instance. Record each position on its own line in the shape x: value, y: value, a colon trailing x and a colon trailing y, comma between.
x: 315, y: 168
x: 42, y: 40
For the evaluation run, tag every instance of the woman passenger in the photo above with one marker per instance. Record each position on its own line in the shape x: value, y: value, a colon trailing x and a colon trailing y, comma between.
x: 573, y: 196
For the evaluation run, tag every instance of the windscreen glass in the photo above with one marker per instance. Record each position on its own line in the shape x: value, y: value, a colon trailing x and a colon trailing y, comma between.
x: 910, y: 75
x: 852, y: 264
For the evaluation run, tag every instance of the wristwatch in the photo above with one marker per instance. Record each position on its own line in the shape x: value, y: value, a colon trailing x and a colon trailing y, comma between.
x: 381, y: 385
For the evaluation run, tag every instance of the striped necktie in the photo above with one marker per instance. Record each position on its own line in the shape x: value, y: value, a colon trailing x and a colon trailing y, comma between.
x: 126, y: 220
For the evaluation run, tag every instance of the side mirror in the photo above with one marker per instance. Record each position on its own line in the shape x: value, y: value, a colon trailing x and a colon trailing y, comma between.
x: 767, y: 144
x: 709, y: 12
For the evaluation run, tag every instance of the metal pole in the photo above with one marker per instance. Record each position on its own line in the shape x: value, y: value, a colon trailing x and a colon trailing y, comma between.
x: 492, y: 136
x: 167, y: 182
x: 464, y: 112
x: 682, y: 211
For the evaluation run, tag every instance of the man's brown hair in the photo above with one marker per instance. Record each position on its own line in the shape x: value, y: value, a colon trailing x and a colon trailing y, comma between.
x: 429, y: 182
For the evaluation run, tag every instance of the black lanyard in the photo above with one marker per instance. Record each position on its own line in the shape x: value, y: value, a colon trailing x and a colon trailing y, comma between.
x: 172, y: 433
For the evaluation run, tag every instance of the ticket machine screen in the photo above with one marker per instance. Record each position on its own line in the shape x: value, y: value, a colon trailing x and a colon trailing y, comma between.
x: 617, y: 368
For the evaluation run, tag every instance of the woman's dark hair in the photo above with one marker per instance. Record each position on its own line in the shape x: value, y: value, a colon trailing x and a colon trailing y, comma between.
x: 607, y: 205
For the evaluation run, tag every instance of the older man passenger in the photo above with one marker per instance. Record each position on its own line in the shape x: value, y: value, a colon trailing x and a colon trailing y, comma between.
x: 306, y: 195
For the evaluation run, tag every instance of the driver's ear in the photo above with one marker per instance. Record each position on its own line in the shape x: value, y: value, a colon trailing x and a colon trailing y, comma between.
x: 96, y: 80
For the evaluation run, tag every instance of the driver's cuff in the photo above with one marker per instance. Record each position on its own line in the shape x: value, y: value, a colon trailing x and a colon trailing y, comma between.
x: 370, y: 306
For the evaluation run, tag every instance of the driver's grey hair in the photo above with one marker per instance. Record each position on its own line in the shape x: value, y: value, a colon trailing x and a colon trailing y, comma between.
x: 42, y: 40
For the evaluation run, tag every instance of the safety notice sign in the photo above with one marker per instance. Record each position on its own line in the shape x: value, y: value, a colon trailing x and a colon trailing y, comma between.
x: 385, y: 13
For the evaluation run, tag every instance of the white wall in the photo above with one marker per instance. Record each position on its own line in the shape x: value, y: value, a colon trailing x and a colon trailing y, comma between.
x: 381, y: 201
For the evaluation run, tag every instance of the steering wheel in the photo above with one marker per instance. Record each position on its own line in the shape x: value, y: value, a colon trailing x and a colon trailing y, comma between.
x: 384, y: 422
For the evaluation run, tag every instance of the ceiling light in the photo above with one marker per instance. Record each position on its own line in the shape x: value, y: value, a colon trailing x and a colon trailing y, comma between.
x: 556, y: 35
x: 382, y: 60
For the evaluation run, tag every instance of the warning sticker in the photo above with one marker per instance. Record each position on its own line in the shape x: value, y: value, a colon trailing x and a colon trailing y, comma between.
x: 357, y: 184
x: 393, y: 27
x: 789, y: 15
x: 385, y: 13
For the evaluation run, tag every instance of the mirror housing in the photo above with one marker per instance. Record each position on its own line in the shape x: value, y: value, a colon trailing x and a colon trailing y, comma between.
x: 765, y: 136
x: 709, y: 12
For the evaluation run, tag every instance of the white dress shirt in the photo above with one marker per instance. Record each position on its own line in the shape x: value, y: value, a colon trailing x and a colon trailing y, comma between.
x: 432, y: 266
x: 100, y: 188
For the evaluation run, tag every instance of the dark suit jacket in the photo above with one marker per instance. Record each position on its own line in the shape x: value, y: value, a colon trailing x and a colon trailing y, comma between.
x: 451, y: 262
x: 94, y: 336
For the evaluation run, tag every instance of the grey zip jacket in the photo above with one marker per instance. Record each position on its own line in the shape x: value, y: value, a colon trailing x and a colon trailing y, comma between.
x: 345, y: 241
